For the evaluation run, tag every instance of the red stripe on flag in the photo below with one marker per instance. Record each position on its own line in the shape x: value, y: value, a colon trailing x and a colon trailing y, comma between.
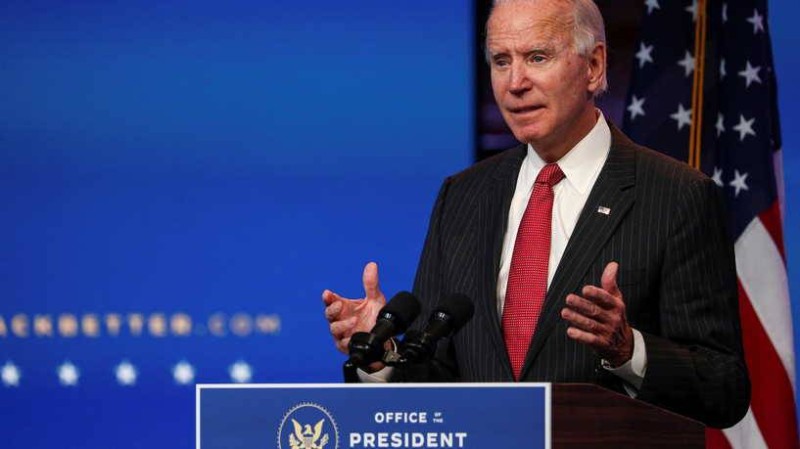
x: 715, y: 439
x: 771, y: 219
x: 772, y: 398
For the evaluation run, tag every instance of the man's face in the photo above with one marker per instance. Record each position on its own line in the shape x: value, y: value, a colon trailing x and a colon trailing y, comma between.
x: 543, y: 87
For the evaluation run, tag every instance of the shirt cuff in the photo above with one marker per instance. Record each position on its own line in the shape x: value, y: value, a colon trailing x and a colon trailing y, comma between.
x: 632, y: 371
x: 378, y: 377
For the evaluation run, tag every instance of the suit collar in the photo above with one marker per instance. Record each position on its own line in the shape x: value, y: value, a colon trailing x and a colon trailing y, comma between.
x: 508, y: 167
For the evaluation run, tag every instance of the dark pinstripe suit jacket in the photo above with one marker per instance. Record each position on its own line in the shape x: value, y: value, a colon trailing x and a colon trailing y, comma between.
x: 677, y: 275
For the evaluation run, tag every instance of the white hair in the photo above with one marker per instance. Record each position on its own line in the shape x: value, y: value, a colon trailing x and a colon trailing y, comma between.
x: 588, y: 29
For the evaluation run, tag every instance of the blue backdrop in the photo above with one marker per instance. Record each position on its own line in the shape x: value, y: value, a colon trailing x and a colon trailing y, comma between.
x: 179, y: 182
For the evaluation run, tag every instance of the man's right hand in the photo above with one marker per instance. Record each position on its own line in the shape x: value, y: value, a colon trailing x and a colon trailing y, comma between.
x: 348, y: 316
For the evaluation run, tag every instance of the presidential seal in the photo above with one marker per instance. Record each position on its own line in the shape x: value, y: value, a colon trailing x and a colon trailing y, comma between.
x: 308, y: 426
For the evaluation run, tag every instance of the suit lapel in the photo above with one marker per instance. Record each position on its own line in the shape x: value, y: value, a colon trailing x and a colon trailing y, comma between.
x: 612, y: 191
x: 493, y: 213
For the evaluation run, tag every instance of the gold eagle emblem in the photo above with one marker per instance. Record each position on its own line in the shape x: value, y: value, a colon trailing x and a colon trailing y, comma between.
x: 304, y: 437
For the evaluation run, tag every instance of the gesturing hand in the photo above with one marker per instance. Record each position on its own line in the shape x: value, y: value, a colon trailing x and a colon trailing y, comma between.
x: 598, y: 318
x: 348, y: 316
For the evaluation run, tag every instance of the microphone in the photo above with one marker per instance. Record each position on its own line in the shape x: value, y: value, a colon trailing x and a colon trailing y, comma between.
x: 445, y: 320
x: 394, y: 318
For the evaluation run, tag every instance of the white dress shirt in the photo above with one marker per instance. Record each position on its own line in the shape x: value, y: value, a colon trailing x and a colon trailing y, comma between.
x: 581, y: 167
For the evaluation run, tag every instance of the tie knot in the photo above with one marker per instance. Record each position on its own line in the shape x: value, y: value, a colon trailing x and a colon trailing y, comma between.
x: 550, y: 174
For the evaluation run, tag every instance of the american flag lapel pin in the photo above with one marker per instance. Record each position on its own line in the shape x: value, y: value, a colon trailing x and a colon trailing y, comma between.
x: 604, y: 210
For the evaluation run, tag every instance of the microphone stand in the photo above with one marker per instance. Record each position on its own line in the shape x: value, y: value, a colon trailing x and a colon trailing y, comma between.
x: 350, y: 372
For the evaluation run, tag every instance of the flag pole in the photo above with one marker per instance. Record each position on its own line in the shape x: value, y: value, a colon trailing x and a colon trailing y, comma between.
x: 696, y: 131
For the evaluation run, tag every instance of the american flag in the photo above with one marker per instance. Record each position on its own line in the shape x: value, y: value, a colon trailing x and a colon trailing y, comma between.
x: 711, y: 101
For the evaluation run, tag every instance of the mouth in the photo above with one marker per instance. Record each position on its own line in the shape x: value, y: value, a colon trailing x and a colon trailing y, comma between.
x: 523, y: 109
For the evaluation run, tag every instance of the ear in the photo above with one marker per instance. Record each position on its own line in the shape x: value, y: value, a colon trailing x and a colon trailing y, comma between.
x: 596, y: 68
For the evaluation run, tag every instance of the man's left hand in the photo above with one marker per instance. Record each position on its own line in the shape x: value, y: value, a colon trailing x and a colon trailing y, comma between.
x: 598, y: 319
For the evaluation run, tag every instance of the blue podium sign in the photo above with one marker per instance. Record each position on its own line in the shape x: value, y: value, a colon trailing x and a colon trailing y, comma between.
x: 337, y: 416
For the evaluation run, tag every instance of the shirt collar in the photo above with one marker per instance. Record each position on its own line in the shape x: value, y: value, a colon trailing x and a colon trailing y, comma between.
x: 585, y: 159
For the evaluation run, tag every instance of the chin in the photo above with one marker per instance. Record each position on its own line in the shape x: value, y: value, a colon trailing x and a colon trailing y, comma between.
x: 530, y: 132
x: 528, y: 135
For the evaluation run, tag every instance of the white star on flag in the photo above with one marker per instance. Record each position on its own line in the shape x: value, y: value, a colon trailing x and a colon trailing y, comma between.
x: 724, y: 13
x: 717, y: 178
x: 10, y: 374
x: 738, y: 182
x: 687, y: 63
x: 745, y: 127
x: 68, y: 374
x: 720, y: 124
x: 722, y: 71
x: 240, y: 372
x: 750, y: 74
x: 757, y: 20
x: 645, y: 54
x: 651, y: 5
x: 635, y: 108
x: 683, y: 116
x: 183, y: 373
x: 692, y: 9
x: 126, y: 373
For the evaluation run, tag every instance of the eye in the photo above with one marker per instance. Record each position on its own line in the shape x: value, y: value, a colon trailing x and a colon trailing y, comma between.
x: 500, y: 62
x: 537, y: 58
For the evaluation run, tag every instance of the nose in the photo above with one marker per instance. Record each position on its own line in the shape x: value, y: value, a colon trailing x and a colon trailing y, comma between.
x: 519, y: 82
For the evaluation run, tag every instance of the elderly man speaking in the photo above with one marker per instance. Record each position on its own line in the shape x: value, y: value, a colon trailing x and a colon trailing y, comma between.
x: 588, y: 257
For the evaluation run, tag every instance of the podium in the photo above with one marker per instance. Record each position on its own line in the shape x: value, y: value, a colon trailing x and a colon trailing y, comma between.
x: 333, y: 416
x: 585, y: 415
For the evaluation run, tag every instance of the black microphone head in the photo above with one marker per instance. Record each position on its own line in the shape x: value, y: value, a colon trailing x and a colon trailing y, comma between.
x: 448, y: 317
x: 459, y: 307
x: 401, y: 310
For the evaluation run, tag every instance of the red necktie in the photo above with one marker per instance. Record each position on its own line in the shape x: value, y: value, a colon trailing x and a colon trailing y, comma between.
x: 527, y: 277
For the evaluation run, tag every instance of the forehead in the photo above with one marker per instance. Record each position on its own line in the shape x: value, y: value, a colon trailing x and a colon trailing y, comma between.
x: 530, y: 23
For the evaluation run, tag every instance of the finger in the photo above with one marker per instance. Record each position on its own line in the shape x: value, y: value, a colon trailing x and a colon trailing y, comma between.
x: 334, y: 311
x: 600, y: 297
x: 584, y: 323
x: 343, y: 345
x: 343, y: 328
x: 609, y: 279
x: 586, y: 338
x: 329, y: 297
x: 370, y: 279
x: 586, y: 307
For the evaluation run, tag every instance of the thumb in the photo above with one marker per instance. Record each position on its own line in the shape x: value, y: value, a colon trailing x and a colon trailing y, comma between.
x: 609, y: 280
x: 370, y: 279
